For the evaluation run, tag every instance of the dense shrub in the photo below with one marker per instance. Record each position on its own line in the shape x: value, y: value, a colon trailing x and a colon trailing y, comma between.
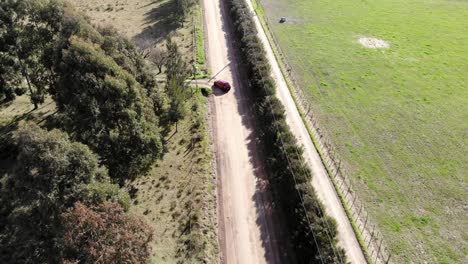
x: 105, y: 234
x: 103, y: 106
x: 289, y: 175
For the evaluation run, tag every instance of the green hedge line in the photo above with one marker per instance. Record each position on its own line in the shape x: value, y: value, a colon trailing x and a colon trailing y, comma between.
x: 289, y: 175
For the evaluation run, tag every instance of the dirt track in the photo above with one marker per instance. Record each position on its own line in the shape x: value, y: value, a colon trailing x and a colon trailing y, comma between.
x: 247, y: 230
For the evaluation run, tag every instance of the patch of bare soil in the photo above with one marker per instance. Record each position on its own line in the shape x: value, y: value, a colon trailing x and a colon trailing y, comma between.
x: 374, y: 43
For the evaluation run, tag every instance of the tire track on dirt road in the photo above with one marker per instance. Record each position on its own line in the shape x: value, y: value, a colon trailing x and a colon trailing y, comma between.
x: 248, y: 230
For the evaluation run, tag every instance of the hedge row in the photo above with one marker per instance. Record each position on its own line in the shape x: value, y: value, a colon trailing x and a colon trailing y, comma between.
x: 289, y: 175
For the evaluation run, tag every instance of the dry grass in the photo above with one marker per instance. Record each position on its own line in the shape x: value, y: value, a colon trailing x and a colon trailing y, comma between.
x: 21, y: 108
x: 178, y: 195
x: 11, y: 114
x: 142, y: 20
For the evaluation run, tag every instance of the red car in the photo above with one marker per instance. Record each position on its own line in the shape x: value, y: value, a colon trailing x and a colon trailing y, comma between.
x: 223, y: 85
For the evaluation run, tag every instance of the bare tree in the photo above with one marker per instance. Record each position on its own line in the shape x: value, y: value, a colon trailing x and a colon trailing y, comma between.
x: 144, y: 45
x: 158, y: 55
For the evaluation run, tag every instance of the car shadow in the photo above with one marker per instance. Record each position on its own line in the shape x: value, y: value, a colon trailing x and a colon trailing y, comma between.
x: 218, y: 92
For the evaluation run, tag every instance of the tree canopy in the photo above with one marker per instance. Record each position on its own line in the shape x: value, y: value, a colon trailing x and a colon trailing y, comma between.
x: 27, y: 30
x: 52, y: 173
x: 102, y: 105
x: 99, y: 80
x: 104, y: 234
x: 61, y: 201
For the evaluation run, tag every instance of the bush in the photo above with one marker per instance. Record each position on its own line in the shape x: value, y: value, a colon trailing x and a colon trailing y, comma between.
x: 289, y: 175
x: 105, y: 234
x: 6, y: 93
x: 206, y: 92
x: 20, y: 91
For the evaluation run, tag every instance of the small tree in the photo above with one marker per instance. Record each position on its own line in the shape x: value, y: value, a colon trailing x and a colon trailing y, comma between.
x: 158, y: 55
x: 183, y: 8
x: 178, y: 95
x: 177, y: 73
x: 144, y: 46
x: 105, y: 234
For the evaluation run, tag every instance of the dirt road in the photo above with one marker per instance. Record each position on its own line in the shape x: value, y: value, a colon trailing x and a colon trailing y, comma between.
x: 247, y: 230
x: 321, y: 181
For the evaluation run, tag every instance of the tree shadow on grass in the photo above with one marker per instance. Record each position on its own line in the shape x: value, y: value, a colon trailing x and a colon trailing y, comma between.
x: 8, y: 151
x: 6, y: 103
x: 161, y: 21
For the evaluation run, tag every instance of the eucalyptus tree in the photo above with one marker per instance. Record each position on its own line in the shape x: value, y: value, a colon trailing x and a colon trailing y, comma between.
x: 103, y: 106
x: 52, y: 173
x: 27, y: 32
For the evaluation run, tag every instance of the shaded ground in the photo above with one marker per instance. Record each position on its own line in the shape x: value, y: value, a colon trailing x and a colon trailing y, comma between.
x: 11, y: 114
x: 142, y: 20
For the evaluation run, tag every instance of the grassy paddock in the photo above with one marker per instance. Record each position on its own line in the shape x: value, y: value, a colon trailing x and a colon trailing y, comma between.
x: 395, y: 115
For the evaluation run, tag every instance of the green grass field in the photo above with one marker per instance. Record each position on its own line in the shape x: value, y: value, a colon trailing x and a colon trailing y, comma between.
x: 397, y: 116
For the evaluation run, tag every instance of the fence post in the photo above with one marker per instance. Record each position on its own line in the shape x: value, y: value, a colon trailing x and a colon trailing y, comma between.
x: 378, y: 251
x: 388, y: 259
x: 372, y: 235
x: 352, y: 203
x: 347, y: 190
x: 365, y: 223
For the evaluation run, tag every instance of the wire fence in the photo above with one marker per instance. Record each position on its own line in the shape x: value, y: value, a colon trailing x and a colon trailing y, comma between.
x: 370, y: 237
